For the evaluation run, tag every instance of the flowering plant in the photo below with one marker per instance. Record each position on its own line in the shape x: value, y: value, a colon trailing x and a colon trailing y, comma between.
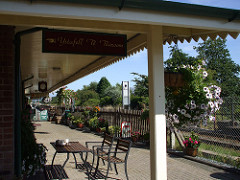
x: 135, y: 134
x: 196, y: 100
x: 102, y: 122
x: 94, y: 111
x: 69, y: 97
x: 192, y: 141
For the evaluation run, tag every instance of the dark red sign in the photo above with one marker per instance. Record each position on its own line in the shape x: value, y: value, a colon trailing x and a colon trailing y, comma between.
x: 75, y: 42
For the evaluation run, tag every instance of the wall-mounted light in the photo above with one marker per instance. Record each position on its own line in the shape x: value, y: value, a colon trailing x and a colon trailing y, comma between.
x: 42, y: 86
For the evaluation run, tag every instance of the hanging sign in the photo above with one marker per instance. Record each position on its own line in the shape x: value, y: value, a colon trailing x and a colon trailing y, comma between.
x: 76, y: 42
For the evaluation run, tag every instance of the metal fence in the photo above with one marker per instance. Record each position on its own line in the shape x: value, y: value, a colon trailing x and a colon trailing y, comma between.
x: 220, y: 139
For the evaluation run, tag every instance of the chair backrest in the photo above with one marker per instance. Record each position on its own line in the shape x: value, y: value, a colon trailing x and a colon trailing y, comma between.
x: 107, y: 140
x: 124, y: 146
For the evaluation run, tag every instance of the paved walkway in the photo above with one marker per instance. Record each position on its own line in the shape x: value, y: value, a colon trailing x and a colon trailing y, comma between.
x: 138, y: 162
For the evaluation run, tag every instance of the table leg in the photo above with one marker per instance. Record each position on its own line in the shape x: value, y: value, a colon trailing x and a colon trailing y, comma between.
x: 64, y: 164
x: 53, y: 159
x: 85, y: 163
x: 75, y: 159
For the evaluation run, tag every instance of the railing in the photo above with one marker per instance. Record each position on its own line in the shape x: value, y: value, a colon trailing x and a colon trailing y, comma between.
x: 221, y: 138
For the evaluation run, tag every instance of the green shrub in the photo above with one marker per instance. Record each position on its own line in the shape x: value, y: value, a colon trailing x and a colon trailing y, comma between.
x: 146, y: 137
x: 114, y: 129
x: 78, y: 120
x: 94, y: 122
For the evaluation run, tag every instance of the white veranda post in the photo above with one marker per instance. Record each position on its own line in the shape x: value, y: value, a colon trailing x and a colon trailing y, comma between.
x: 157, y: 104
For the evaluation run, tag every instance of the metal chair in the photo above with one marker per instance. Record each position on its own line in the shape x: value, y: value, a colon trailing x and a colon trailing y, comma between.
x: 102, y: 146
x: 118, y: 156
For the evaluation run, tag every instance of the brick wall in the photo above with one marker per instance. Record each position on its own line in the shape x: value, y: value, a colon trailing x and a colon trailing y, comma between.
x: 6, y: 102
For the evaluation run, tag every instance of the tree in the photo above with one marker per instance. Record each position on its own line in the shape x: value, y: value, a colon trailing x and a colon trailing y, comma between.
x: 60, y: 96
x: 178, y: 58
x: 218, y: 60
x: 141, y: 85
x: 139, y: 96
x: 91, y: 102
x: 54, y: 100
x: 92, y: 86
x: 115, y: 94
x: 86, y: 95
x: 102, y: 85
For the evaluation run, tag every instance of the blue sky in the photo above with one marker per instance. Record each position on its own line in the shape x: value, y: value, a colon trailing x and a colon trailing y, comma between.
x: 121, y: 71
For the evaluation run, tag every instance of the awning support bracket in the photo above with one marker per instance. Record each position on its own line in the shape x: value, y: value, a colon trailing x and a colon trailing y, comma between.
x: 234, y: 17
x: 122, y: 4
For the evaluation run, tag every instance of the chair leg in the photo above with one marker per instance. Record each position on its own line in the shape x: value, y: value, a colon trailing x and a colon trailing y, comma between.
x: 104, y: 164
x: 109, y: 164
x: 92, y: 162
x: 53, y: 159
x: 126, y: 170
x: 96, y: 168
x: 115, y: 166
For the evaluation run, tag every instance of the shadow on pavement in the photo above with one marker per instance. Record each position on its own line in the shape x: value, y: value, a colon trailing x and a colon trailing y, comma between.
x: 55, y: 173
x: 41, y: 132
x: 225, y: 176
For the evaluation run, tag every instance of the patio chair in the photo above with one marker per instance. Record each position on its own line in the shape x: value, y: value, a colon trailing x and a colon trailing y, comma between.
x: 118, y: 156
x: 103, y: 146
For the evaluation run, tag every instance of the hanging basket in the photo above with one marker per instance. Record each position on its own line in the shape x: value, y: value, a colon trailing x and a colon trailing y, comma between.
x: 173, y: 79
x: 191, y: 151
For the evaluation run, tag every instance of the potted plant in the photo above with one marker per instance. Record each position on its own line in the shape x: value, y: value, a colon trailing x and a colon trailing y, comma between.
x: 86, y: 112
x: 135, y: 136
x: 103, y: 129
x: 191, y: 144
x: 146, y: 138
x: 71, y: 122
x: 114, y: 129
x: 94, y: 123
x: 79, y: 121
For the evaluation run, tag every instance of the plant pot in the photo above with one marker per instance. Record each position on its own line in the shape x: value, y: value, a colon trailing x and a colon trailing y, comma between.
x: 80, y: 125
x: 98, y: 130
x: 134, y: 139
x: 58, y: 119
x: 191, y: 151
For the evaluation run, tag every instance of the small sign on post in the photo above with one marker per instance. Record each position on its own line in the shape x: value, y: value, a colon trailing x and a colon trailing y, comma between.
x: 126, y: 94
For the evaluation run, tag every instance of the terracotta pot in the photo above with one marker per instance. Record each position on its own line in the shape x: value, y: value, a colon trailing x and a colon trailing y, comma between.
x: 58, y: 119
x: 98, y: 130
x: 80, y: 125
x: 134, y: 139
x: 191, y: 151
